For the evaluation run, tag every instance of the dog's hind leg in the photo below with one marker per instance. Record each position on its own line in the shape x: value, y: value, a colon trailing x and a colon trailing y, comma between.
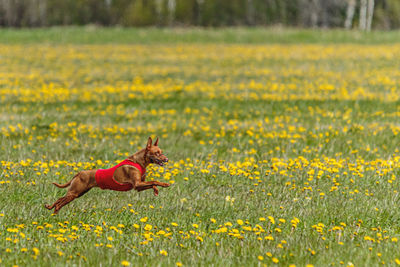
x: 79, y: 185
x: 76, y: 190
x: 67, y: 199
x: 54, y: 204
x: 64, y: 201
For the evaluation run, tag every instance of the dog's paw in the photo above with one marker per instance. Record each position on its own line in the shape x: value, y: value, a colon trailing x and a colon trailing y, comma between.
x: 155, y: 191
x: 165, y: 185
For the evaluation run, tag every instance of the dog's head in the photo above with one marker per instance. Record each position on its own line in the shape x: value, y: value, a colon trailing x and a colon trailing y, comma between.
x: 154, y: 153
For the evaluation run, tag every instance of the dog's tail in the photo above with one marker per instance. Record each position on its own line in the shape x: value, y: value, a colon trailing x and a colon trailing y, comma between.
x: 62, y: 185
x: 65, y: 185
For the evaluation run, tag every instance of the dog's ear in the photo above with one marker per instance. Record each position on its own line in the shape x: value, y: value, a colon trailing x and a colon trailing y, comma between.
x: 156, y: 143
x: 149, y: 142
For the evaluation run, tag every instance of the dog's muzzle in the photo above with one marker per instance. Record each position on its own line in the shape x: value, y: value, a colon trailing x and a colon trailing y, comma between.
x: 158, y: 161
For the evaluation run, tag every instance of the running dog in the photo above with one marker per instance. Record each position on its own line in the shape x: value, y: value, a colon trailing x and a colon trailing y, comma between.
x: 127, y: 175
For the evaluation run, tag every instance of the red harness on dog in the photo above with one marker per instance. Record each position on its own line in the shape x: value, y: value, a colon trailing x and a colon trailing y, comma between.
x: 105, y: 177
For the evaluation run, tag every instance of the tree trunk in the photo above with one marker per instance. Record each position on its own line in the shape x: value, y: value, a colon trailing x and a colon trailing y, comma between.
x: 159, y: 9
x: 171, y: 11
x: 325, y: 17
x: 363, y: 15
x: 351, y: 6
x: 42, y: 12
x: 35, y: 13
x: 199, y: 11
x: 9, y: 12
x: 370, y: 15
x: 314, y: 13
x: 250, y: 12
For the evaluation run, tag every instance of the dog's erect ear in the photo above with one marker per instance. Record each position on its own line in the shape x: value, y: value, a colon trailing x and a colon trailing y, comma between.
x: 149, y: 142
x: 156, y: 143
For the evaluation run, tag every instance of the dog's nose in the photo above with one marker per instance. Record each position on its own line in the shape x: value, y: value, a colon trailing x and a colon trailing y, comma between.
x: 166, y: 159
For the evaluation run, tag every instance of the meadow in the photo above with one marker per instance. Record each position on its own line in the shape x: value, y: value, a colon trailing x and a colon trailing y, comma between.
x: 281, y: 153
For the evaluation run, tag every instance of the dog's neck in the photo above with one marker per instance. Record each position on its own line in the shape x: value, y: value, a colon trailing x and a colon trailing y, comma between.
x: 140, y: 158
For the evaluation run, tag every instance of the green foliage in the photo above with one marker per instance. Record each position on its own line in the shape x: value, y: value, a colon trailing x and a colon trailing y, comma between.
x: 329, y: 13
x: 392, y: 14
x: 139, y: 13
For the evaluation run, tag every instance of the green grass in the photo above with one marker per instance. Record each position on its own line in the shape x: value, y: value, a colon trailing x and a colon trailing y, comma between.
x: 258, y: 35
x: 301, y: 131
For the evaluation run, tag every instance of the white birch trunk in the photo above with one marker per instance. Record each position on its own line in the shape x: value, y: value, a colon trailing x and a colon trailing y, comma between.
x: 371, y: 4
x: 363, y: 14
x: 42, y: 12
x: 171, y: 11
x: 314, y: 13
x: 351, y: 6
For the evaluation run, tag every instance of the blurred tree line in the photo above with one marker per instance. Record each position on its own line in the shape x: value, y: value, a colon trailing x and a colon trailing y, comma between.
x: 363, y: 14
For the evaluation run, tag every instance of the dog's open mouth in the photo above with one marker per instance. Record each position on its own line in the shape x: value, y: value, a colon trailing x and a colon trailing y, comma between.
x: 158, y: 161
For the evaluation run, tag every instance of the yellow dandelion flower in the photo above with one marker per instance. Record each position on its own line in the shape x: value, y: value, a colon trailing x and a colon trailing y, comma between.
x: 163, y: 252
x: 36, y: 251
x: 125, y: 263
x: 271, y: 219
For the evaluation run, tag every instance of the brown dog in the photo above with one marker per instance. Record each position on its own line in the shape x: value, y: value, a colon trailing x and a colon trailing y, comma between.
x: 129, y: 174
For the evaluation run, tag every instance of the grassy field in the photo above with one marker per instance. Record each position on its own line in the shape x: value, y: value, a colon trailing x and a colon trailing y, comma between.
x: 281, y: 152
x: 172, y: 36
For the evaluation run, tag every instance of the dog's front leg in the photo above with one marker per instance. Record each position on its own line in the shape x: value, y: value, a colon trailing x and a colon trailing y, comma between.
x: 140, y: 185
x: 155, y: 189
x: 150, y: 184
